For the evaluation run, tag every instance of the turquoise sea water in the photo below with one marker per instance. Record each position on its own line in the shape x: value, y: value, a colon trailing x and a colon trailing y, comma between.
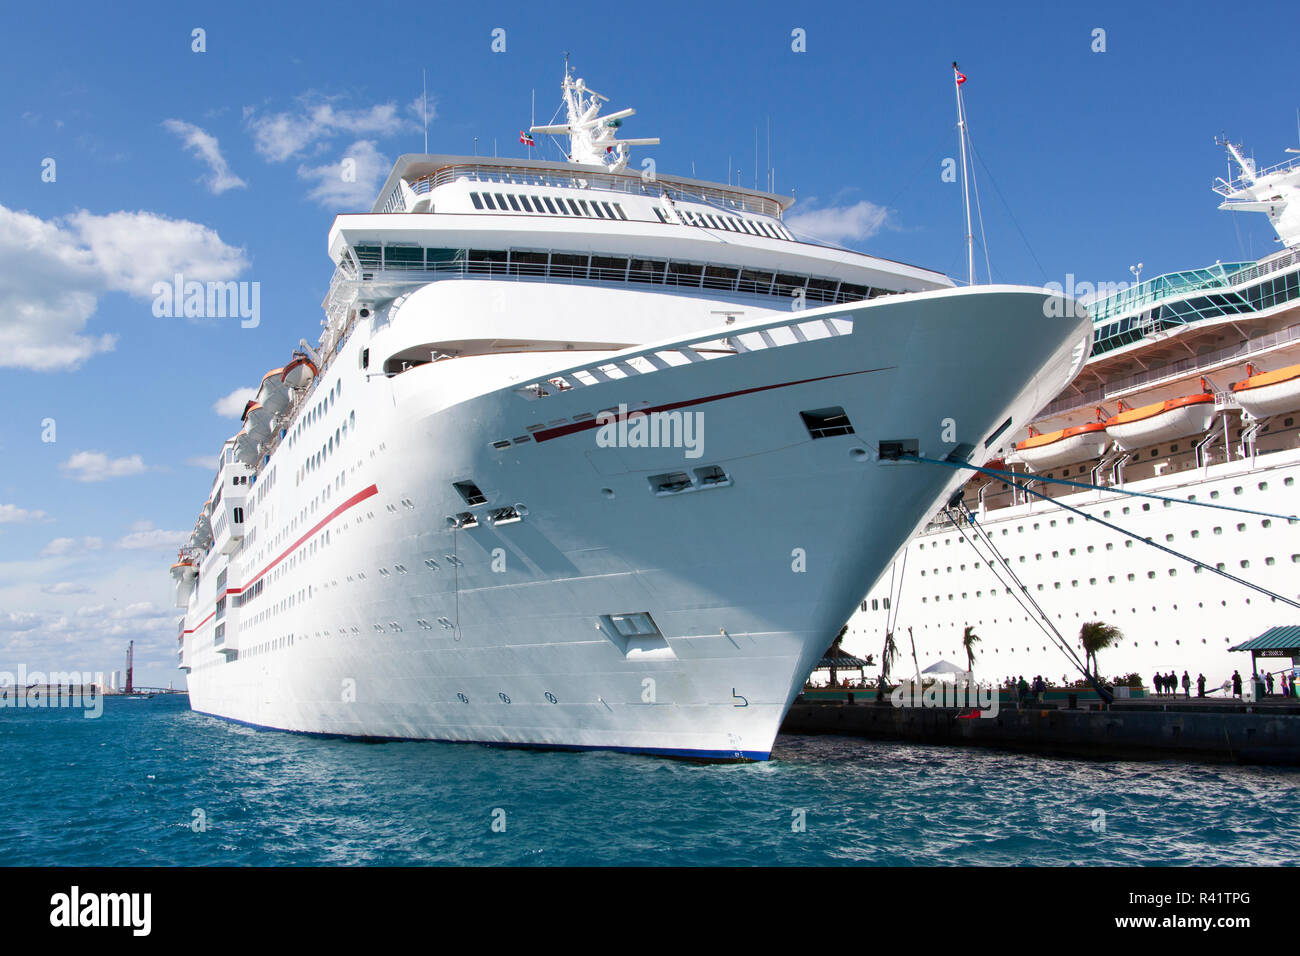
x: 150, y: 782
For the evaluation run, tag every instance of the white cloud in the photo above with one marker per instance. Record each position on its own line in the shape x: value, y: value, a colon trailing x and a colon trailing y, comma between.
x: 97, y: 466
x: 133, y: 250
x: 64, y: 587
x: 857, y: 222
x: 153, y: 539
x: 281, y: 136
x: 12, y: 514
x: 204, y: 145
x: 55, y: 271
x: 231, y: 406
x: 62, y: 546
x: 364, y: 177
x: 18, y: 621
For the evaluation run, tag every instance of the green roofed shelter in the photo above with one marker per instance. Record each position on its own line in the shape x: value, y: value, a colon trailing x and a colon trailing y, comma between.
x: 1276, y: 642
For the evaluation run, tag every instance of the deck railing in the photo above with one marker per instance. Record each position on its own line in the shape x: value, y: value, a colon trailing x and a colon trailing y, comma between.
x: 630, y: 183
x: 1095, y: 396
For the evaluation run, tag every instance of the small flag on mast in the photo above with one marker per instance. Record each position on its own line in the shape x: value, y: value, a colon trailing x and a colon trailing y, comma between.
x: 526, y: 139
x: 961, y: 77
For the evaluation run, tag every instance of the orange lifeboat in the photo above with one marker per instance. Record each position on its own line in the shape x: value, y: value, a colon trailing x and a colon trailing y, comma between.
x: 183, y: 569
x: 1268, y: 393
x: 1134, y: 427
x: 273, y: 393
x: 257, y: 422
x: 1078, y: 443
x: 300, y: 372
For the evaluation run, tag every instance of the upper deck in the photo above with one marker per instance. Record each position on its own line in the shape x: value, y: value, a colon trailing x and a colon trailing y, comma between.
x: 421, y: 174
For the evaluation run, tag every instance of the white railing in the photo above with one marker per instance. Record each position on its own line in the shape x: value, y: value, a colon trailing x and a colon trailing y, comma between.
x: 707, y: 347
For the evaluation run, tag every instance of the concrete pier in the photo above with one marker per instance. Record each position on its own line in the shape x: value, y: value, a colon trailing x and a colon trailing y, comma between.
x: 1267, y: 732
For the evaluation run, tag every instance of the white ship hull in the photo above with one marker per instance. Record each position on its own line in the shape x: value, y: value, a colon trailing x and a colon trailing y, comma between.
x: 353, y: 633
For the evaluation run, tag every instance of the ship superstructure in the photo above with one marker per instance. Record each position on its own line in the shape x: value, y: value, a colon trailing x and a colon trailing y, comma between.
x: 1192, y: 391
x: 585, y: 457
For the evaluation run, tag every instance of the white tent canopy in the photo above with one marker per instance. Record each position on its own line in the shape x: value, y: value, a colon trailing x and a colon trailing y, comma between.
x: 944, y: 668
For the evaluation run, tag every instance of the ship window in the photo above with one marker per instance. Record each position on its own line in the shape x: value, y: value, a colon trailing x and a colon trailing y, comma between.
x: 491, y: 261
x: 528, y: 263
x: 609, y: 211
x: 487, y: 198
x: 720, y: 277
x: 671, y: 483
x: 606, y: 267
x: 600, y: 213
x: 514, y: 203
x: 711, y: 476
x: 852, y: 293
x: 684, y: 273
x: 564, y: 266
x: 501, y: 202
x: 365, y: 358
x: 586, y: 210
x: 367, y: 256
x: 659, y: 214
x: 751, y: 281
x: 474, y: 198
x: 786, y: 284
x: 619, y: 209
x: 645, y: 270
x: 573, y: 206
x: 528, y: 207
x: 829, y: 423
x: 470, y: 492
x: 550, y: 206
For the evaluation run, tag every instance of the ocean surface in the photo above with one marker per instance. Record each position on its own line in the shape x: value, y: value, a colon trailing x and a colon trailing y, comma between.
x: 150, y: 783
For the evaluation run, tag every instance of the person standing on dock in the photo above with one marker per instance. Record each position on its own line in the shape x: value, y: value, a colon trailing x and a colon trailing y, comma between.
x: 1268, y: 683
x: 1236, y: 684
x: 1187, y: 685
x: 1200, y: 685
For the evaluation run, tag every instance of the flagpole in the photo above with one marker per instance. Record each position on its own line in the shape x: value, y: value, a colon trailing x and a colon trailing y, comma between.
x: 965, y: 194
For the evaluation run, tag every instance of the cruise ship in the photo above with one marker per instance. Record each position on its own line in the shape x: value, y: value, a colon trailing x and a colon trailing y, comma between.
x: 1192, y: 391
x: 587, y: 457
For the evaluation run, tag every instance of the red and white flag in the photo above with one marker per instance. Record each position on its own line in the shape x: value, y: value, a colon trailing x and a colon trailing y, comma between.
x: 961, y: 77
x: 526, y: 139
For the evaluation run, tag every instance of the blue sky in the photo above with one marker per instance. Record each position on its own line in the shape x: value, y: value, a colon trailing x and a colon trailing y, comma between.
x: 223, y: 164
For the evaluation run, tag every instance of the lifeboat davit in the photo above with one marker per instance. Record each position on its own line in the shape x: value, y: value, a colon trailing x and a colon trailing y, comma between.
x: 300, y: 372
x: 1269, y: 393
x: 274, y: 394
x: 1160, y: 421
x: 1079, y: 443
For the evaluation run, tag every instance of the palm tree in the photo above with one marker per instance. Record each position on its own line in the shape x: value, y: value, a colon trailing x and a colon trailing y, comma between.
x: 833, y: 652
x: 1097, y: 636
x: 968, y: 641
x: 887, y: 656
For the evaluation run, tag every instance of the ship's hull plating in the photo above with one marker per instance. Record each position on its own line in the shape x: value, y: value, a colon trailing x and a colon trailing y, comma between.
x: 393, y: 624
